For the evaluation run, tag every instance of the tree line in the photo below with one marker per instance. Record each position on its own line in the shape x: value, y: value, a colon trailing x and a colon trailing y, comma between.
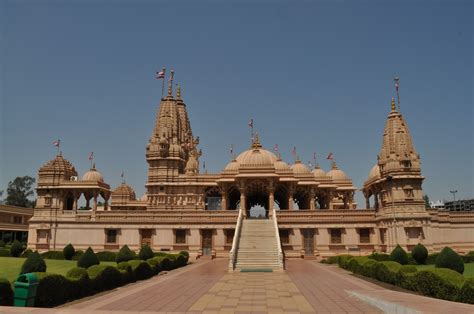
x: 19, y: 191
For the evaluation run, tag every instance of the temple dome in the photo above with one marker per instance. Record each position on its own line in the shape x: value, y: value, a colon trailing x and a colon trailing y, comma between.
x: 300, y: 168
x: 232, y: 166
x: 336, y: 174
x: 93, y: 175
x: 374, y: 172
x: 59, y: 165
x: 281, y: 166
x: 256, y: 156
x: 318, y: 172
x: 124, y: 190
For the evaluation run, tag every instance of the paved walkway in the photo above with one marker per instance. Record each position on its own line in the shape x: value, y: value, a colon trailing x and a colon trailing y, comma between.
x: 206, y: 287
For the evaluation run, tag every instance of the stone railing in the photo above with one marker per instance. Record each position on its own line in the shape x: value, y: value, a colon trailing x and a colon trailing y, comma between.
x: 314, y: 216
x: 281, y: 257
x: 235, y: 242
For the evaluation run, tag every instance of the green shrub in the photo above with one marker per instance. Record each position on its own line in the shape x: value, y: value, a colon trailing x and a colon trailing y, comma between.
x: 163, y: 254
x: 106, y: 256
x: 181, y: 261
x: 431, y: 260
x: 5, y: 253
x: 104, y: 277
x: 2, y: 243
x: 26, y: 253
x: 185, y: 254
x: 155, y: 264
x: 68, y: 251
x: 125, y: 254
x: 368, y: 268
x: 77, y: 255
x: 399, y: 255
x: 387, y: 271
x: 469, y: 257
x: 420, y: 254
x: 404, y: 276
x: 330, y: 260
x: 16, y: 249
x: 166, y: 264
x: 343, y: 260
x: 438, y: 283
x: 145, y: 253
x: 53, y: 290
x: 450, y: 259
x: 53, y: 255
x: 88, y: 259
x: 79, y: 282
x: 34, y: 263
x: 126, y: 272
x: 6, y: 293
x: 141, y: 270
x: 379, y: 257
x: 466, y: 294
x: 411, y: 260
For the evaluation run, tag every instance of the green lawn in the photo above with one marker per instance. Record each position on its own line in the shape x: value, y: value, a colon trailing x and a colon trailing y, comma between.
x: 468, y: 269
x: 10, y: 266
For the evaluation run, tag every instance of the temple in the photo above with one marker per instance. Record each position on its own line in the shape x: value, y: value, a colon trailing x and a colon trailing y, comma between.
x: 257, y: 211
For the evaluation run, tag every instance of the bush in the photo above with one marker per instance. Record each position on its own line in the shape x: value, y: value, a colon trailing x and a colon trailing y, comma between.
x: 145, y: 253
x: 141, y: 270
x: 53, y: 255
x: 125, y: 254
x: 126, y: 272
x: 16, y: 249
x: 379, y: 257
x: 438, y: 283
x: 2, y: 243
x: 404, y: 276
x: 34, y: 263
x: 387, y: 271
x: 26, y: 253
x: 88, y: 259
x: 53, y: 290
x: 77, y: 255
x: 79, y: 282
x: 450, y: 259
x: 368, y: 268
x: 466, y: 294
x: 343, y: 260
x: 181, y: 260
x: 104, y: 277
x: 106, y: 256
x: 5, y: 253
x: 6, y: 293
x: 69, y: 251
x: 431, y: 260
x: 399, y: 255
x: 420, y: 254
x: 331, y: 260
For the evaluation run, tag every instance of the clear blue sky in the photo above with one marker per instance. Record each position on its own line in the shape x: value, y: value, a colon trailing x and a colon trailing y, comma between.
x: 317, y: 76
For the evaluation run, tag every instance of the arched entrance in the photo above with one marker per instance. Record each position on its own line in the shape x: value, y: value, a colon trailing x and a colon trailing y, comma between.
x: 257, y: 200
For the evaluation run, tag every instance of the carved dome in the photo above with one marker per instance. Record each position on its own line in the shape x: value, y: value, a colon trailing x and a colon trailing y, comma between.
x: 281, y: 166
x: 299, y: 168
x: 256, y: 157
x: 374, y: 172
x: 59, y: 165
x: 318, y: 172
x: 232, y: 166
x: 337, y: 174
x: 93, y: 175
x: 124, y: 191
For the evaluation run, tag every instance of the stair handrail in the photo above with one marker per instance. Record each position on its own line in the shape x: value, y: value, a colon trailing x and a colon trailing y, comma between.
x: 235, y: 240
x: 281, y: 257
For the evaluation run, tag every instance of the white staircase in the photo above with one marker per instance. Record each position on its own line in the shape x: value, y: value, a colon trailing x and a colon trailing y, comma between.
x: 258, y: 246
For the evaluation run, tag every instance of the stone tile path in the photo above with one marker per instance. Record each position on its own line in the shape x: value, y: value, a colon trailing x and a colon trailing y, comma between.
x: 206, y: 287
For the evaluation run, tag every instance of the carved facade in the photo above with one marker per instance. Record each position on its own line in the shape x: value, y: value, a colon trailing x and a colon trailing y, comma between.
x: 184, y: 209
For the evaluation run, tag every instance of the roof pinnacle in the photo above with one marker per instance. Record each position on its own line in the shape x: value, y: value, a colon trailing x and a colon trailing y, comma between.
x: 170, y: 84
x: 178, y: 92
x: 394, y: 108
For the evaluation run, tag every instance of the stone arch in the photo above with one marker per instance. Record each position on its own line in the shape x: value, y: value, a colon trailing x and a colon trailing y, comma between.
x: 302, y: 198
x: 233, y: 198
x: 213, y: 198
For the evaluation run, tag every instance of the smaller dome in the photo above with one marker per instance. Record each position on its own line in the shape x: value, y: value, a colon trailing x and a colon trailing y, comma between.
x: 93, y: 175
x: 144, y: 197
x: 374, y: 172
x: 124, y: 190
x: 318, y: 172
x: 281, y: 166
x: 59, y: 164
x: 336, y: 174
x: 232, y: 166
x: 300, y: 168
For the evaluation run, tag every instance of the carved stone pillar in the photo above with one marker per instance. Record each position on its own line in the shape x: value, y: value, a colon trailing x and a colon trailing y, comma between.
x: 271, y: 200
x: 367, y: 202
x: 95, y: 202
x: 106, y: 202
x: 312, y: 195
x: 74, y: 206
x: 290, y: 198
x: 224, y: 201
x: 376, y: 200
x: 330, y: 197
x: 243, y: 201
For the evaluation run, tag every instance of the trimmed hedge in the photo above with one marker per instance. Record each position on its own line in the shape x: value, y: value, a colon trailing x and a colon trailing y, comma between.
x: 438, y: 283
x: 16, y: 249
x: 145, y: 253
x: 450, y: 259
x: 431, y: 260
x: 79, y: 282
x: 53, y: 290
x: 104, y: 277
x: 53, y: 255
x: 5, y: 253
x: 34, y: 263
x: 379, y: 257
x: 466, y: 294
x: 399, y: 255
x: 77, y: 255
x: 2, y: 243
x: 141, y: 269
x: 88, y: 259
x: 6, y: 293
x: 126, y: 271
x: 68, y: 251
x: 420, y: 254
x: 26, y: 253
x: 106, y: 256
x: 125, y: 254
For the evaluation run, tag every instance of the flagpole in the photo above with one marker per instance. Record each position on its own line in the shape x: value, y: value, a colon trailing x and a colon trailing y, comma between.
x: 163, y: 83
x: 397, y: 86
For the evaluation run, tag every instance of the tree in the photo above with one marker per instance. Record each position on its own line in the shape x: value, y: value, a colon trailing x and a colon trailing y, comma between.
x: 419, y: 253
x: 450, y: 259
x: 399, y: 255
x: 88, y: 259
x: 427, y: 201
x: 34, y: 263
x: 19, y: 190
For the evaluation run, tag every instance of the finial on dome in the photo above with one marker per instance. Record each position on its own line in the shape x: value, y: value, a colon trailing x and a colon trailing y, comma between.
x: 178, y: 92
x: 93, y: 167
x: 393, y: 104
x: 256, y: 142
x: 170, y: 84
x: 334, y: 166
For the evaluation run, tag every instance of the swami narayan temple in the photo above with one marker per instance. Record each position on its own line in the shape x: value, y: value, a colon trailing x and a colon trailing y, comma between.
x: 307, y: 213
